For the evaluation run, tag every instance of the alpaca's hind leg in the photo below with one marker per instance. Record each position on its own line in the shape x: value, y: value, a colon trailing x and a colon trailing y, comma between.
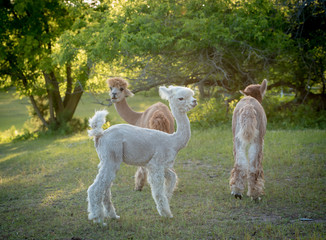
x: 108, y: 205
x: 256, y: 173
x: 96, y: 192
x: 140, y: 178
x: 239, y: 171
x: 156, y: 180
x: 171, y: 180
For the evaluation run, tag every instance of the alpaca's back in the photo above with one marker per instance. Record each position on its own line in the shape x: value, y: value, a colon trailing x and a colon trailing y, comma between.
x: 159, y: 117
x: 138, y: 145
x: 249, y: 119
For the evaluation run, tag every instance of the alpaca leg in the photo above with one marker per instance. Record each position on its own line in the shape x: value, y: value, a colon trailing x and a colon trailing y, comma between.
x: 156, y: 180
x: 239, y: 171
x: 256, y: 173
x: 140, y: 178
x: 108, y: 205
x: 96, y: 192
x: 171, y: 180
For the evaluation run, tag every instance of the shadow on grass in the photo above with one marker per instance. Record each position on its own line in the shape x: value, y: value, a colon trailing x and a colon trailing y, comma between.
x: 43, y: 192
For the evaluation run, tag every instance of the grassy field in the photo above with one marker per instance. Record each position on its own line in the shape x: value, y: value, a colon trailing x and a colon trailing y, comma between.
x: 14, y: 112
x: 43, y: 184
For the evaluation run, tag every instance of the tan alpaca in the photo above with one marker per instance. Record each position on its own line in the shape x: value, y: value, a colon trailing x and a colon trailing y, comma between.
x: 249, y: 128
x: 158, y: 116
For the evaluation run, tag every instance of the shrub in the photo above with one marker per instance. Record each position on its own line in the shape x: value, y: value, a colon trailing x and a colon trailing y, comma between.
x: 282, y: 113
x: 212, y: 112
x: 64, y: 128
x: 285, y: 115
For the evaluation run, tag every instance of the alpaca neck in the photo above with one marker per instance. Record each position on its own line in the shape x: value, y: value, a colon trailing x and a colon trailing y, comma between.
x: 127, y: 114
x: 183, y: 133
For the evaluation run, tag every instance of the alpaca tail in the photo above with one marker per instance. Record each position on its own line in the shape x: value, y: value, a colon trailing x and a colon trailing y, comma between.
x: 96, y: 123
x: 159, y: 122
x: 248, y: 123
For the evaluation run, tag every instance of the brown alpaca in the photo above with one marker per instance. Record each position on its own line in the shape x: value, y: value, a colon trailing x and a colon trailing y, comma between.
x: 249, y: 128
x: 158, y: 116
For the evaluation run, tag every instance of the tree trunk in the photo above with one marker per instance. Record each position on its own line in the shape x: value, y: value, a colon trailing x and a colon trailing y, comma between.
x: 37, y: 110
x: 55, y: 101
x: 50, y: 97
x: 58, y: 104
x: 71, y: 105
x: 69, y: 85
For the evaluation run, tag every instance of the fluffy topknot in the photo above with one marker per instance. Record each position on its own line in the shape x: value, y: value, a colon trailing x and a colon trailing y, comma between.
x: 117, y: 82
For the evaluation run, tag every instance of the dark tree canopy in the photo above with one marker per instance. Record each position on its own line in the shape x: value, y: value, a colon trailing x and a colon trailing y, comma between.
x: 28, y: 35
x: 54, y: 49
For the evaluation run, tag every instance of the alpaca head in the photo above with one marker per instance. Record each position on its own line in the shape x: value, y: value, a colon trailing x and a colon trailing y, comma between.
x: 180, y: 98
x: 256, y: 90
x: 118, y: 89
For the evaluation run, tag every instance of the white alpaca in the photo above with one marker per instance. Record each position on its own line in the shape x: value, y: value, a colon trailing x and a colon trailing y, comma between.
x: 249, y: 128
x: 158, y: 116
x: 153, y: 149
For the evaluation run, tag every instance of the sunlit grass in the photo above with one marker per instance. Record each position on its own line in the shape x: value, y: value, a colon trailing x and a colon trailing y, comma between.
x: 13, y: 111
x: 14, y: 114
x: 44, y: 184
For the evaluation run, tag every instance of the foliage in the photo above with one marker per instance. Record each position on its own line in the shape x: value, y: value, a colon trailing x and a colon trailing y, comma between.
x: 218, y: 112
x: 288, y: 115
x: 214, y: 43
x: 29, y: 61
x: 76, y: 125
x: 211, y: 112
x: 227, y: 44
x: 55, y: 50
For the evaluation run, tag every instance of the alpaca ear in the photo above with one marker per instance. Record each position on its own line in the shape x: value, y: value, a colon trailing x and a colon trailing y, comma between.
x: 263, y: 87
x: 164, y: 92
x: 128, y: 93
x: 242, y: 92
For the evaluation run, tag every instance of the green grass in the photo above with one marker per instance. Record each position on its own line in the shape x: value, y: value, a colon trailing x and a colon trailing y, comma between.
x: 13, y: 111
x: 43, y: 185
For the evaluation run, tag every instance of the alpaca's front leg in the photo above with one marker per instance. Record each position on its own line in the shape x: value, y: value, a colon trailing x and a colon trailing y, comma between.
x: 171, y: 180
x: 140, y: 178
x: 156, y: 180
x: 239, y: 171
x: 256, y: 173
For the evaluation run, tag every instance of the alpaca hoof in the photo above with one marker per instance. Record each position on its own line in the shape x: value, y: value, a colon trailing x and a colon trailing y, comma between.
x: 99, y: 220
x: 166, y: 214
x: 139, y: 189
x: 237, y: 195
x: 257, y: 199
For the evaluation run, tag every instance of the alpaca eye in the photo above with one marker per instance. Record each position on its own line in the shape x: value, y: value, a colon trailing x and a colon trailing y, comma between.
x: 121, y: 89
x: 181, y: 98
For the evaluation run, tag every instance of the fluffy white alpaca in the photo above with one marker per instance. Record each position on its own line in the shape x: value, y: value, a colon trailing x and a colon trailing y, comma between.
x: 249, y: 128
x: 153, y: 149
x: 158, y: 116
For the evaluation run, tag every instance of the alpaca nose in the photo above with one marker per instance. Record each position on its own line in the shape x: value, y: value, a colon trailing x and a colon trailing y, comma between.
x: 194, y: 102
x: 114, y: 95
